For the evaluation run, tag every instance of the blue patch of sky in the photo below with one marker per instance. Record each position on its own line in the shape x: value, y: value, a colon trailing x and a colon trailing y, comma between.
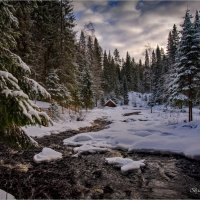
x: 114, y: 3
x: 110, y: 4
x: 147, y: 6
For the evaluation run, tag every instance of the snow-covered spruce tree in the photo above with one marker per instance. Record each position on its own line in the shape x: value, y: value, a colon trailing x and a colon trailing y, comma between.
x: 172, y: 46
x: 16, y: 109
x: 187, y: 67
x: 57, y: 90
x: 197, y: 29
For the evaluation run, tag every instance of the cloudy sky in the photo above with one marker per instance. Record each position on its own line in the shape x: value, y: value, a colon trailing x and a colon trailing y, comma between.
x: 130, y: 25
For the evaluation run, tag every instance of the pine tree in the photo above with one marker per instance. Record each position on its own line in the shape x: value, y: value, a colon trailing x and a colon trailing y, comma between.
x: 140, y: 81
x: 54, y: 42
x: 117, y: 65
x: 25, y: 45
x: 157, y: 77
x: 125, y: 91
x: 175, y: 43
x: 187, y: 67
x: 57, y: 90
x: 85, y: 79
x: 16, y: 108
x: 197, y: 29
x: 97, y: 71
x: 146, y: 73
x: 127, y: 71
x: 86, y: 92
x: 106, y: 75
x: 152, y: 83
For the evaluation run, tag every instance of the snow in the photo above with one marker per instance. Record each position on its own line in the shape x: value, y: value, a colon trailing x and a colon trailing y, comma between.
x: 164, y: 130
x: 84, y: 149
x: 126, y: 164
x: 20, y: 62
x: 79, y: 138
x: 4, y: 195
x: 37, y: 88
x: 110, y: 100
x: 65, y: 123
x: 47, y: 154
x: 41, y: 104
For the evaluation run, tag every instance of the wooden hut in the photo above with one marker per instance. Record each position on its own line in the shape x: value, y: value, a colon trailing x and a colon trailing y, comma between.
x: 110, y: 103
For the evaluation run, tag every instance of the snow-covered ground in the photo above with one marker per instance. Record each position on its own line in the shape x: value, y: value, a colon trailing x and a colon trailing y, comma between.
x: 67, y: 121
x: 164, y: 131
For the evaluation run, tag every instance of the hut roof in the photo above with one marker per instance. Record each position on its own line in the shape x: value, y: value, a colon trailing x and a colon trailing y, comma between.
x: 110, y: 103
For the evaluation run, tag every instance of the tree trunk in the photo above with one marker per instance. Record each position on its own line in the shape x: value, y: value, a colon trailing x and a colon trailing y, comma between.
x: 96, y: 101
x: 190, y: 110
x: 190, y: 99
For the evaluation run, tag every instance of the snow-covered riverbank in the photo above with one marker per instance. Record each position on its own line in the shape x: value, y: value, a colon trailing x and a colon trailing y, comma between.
x: 133, y: 128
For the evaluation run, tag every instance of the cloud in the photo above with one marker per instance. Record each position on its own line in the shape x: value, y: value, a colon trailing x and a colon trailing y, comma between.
x: 130, y: 25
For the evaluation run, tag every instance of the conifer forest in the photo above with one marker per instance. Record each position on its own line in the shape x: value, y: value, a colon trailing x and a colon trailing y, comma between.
x: 89, y: 111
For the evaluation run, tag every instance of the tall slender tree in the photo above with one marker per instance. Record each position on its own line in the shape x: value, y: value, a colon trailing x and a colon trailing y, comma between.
x: 187, y: 67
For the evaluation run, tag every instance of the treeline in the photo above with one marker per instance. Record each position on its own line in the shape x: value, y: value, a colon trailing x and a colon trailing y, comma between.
x: 173, y: 78
x: 39, y: 51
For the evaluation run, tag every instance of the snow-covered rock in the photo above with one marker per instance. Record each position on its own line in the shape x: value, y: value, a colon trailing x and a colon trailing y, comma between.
x: 47, y: 154
x: 126, y: 164
x: 4, y: 195
x: 88, y: 149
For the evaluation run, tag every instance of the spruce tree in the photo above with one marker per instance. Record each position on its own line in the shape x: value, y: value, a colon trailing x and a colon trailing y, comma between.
x: 86, y: 92
x: 127, y: 71
x: 187, y: 67
x: 125, y: 91
x: 85, y: 79
x: 146, y: 73
x: 97, y: 71
x: 16, y: 108
x: 57, y: 90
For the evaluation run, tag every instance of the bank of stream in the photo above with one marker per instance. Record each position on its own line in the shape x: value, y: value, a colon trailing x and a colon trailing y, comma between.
x: 89, y: 177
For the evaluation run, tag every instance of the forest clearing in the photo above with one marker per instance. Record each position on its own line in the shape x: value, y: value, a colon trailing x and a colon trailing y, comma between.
x: 98, y: 100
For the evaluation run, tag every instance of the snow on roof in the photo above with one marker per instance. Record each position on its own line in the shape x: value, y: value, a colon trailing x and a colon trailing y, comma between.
x: 110, y: 100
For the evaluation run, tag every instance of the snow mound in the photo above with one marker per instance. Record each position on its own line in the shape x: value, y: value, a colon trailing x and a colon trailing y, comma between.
x: 4, y: 195
x: 47, y: 154
x: 84, y: 149
x: 126, y: 164
x: 80, y: 138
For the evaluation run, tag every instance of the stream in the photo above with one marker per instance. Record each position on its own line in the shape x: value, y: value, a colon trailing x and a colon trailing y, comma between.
x: 165, y: 176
